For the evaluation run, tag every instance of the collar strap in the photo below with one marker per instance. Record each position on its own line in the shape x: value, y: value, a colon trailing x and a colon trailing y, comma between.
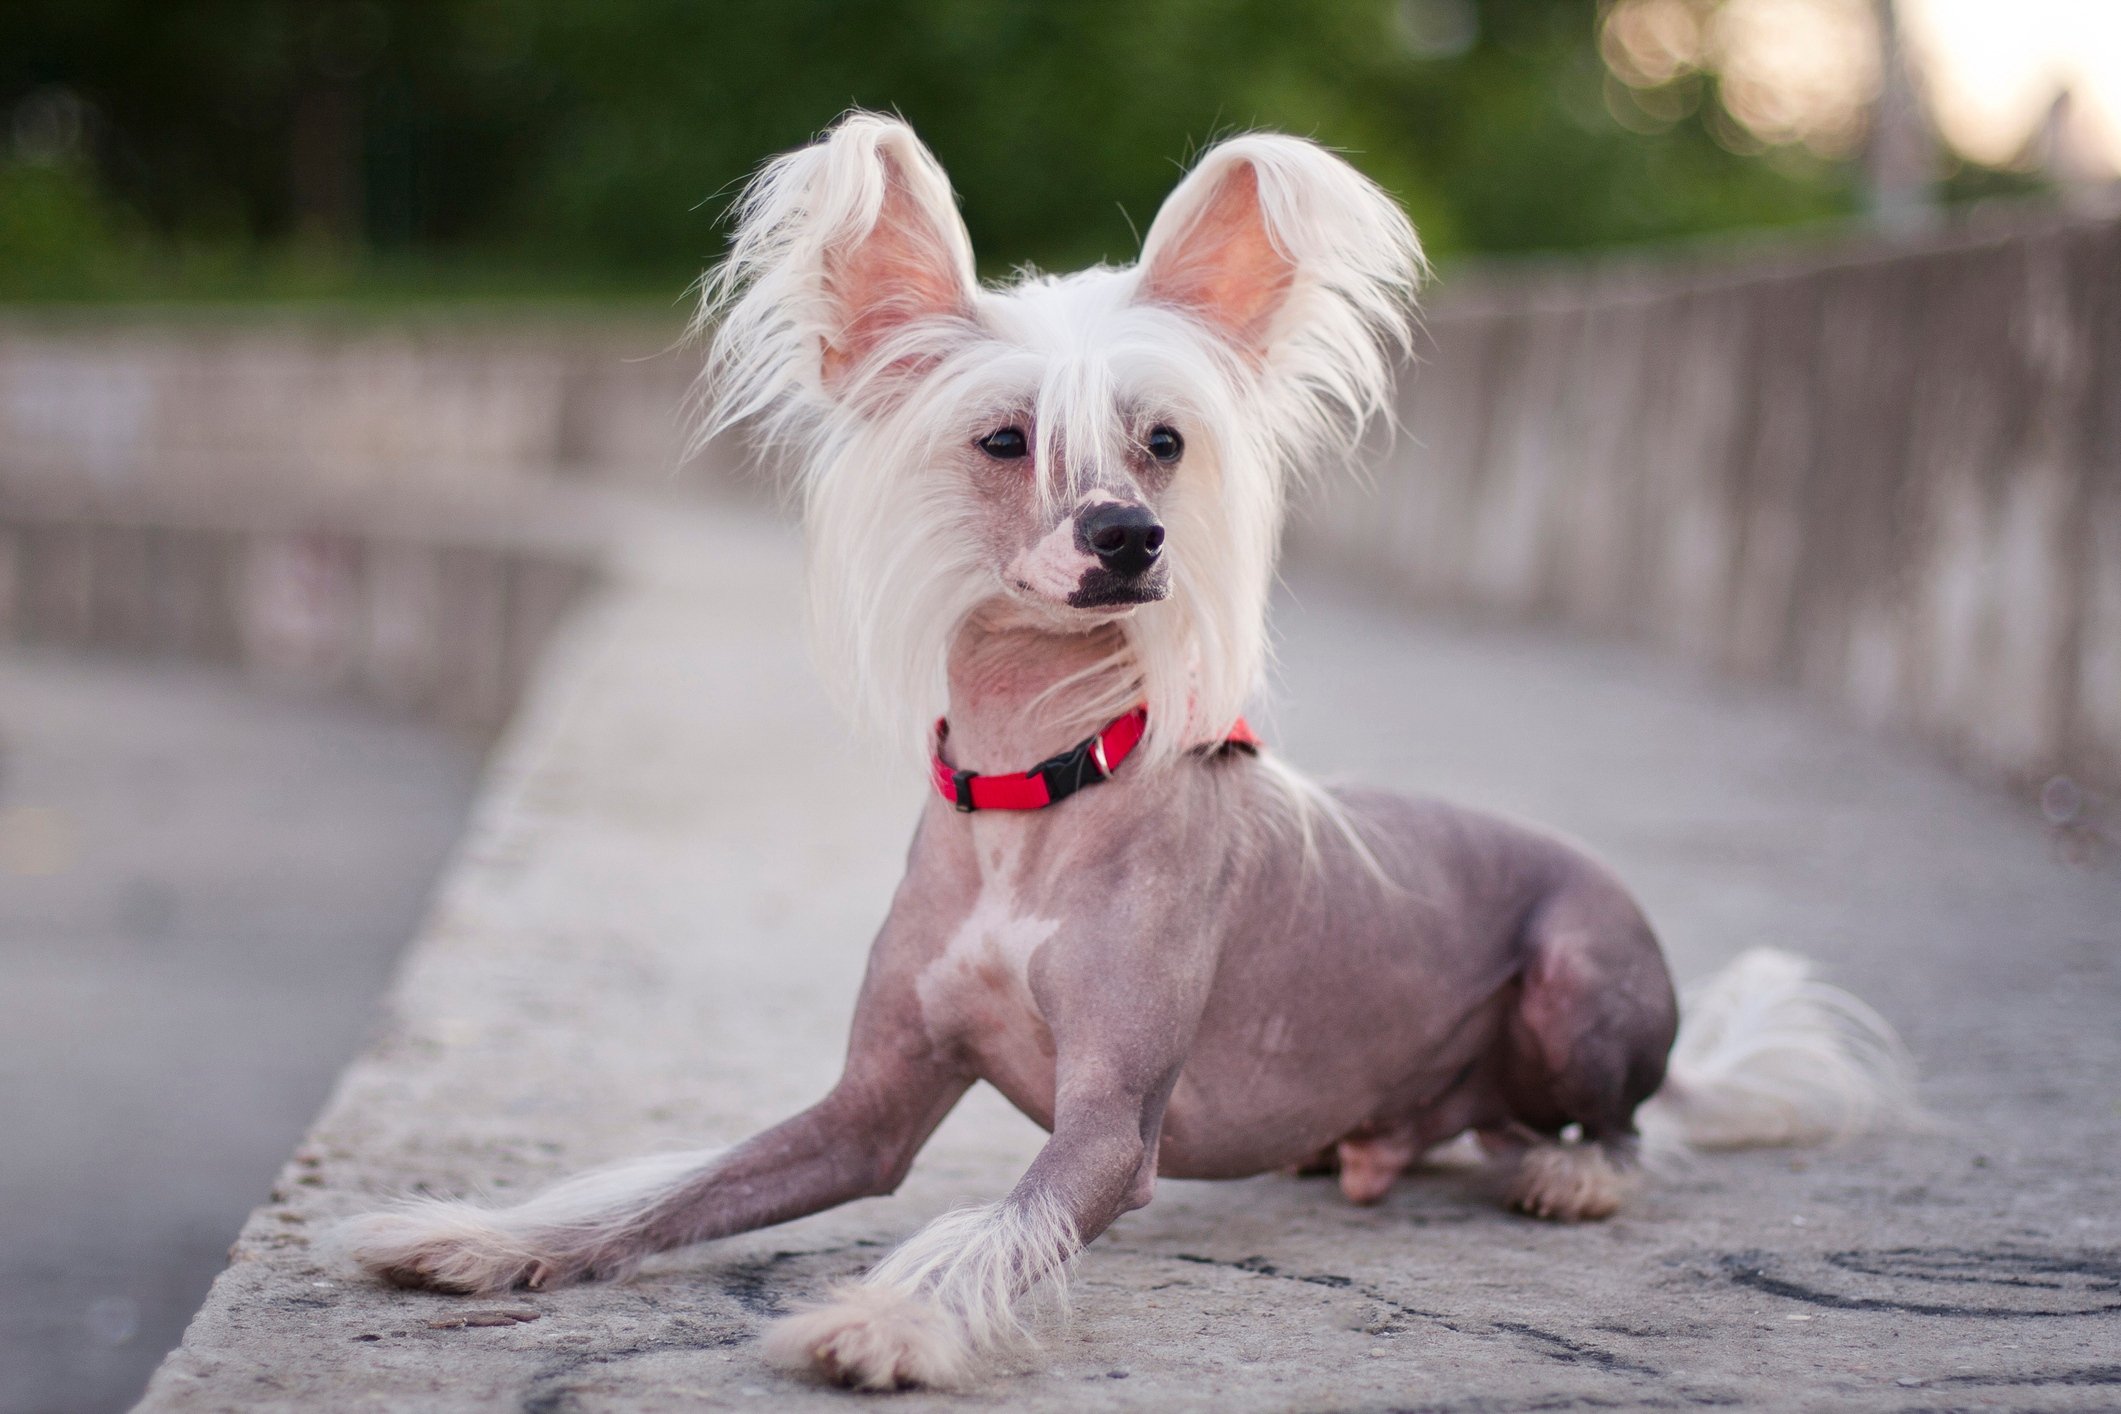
x: 1087, y: 763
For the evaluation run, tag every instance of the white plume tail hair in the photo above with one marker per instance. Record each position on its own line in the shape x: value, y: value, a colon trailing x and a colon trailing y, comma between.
x: 1769, y: 1055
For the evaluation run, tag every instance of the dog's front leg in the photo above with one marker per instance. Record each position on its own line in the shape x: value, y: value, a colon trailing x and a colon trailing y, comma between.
x: 928, y: 1313
x: 955, y: 1291
x: 600, y: 1224
x: 858, y: 1141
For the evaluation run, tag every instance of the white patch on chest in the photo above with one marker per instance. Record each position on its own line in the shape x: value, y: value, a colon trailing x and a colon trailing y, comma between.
x: 978, y: 989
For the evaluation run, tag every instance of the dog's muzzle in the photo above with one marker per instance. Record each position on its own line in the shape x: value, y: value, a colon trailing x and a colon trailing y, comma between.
x: 1128, y: 542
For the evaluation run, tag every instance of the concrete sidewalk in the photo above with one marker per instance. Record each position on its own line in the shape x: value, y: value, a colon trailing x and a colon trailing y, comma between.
x: 653, y: 937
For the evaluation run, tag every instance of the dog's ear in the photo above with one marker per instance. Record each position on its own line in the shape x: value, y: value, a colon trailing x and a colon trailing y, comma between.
x: 1294, y: 258
x: 849, y: 265
x: 1211, y: 253
x: 903, y: 258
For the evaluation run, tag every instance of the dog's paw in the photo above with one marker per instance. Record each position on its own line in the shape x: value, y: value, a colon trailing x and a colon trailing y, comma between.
x: 874, y: 1338
x: 452, y: 1247
x: 1369, y: 1167
x: 1568, y: 1183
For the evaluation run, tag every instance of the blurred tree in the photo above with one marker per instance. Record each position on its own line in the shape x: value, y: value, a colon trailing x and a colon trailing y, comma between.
x: 604, y: 136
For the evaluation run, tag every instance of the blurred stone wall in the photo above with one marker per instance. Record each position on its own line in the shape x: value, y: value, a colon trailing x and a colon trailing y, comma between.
x: 323, y: 409
x: 397, y: 512
x: 1890, y: 477
x: 444, y: 625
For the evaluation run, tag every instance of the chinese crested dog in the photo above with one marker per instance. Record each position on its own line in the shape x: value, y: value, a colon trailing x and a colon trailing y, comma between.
x: 1048, y: 511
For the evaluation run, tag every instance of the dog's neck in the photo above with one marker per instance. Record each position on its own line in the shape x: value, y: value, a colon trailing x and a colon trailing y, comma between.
x: 1021, y: 690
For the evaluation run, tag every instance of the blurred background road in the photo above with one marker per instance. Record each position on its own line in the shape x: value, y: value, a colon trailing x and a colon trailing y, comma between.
x: 202, y: 888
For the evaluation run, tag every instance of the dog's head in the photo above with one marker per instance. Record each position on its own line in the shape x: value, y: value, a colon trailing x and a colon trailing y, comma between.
x: 1106, y: 446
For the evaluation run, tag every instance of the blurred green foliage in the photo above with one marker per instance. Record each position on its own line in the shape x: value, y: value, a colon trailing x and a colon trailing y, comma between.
x: 232, y: 147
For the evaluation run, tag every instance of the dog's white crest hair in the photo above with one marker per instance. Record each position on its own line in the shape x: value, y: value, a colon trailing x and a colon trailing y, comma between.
x: 1768, y: 1054
x: 953, y: 1294
x: 1270, y: 308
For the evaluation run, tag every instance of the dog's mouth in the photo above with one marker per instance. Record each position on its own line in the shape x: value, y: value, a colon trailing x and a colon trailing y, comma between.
x: 1099, y: 592
x: 1102, y: 589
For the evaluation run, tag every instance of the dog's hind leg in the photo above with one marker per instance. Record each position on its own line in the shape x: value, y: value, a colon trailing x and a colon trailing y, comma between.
x: 1586, y: 1044
x: 1370, y: 1163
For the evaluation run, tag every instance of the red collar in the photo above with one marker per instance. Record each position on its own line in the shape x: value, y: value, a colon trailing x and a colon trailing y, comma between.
x: 1087, y: 763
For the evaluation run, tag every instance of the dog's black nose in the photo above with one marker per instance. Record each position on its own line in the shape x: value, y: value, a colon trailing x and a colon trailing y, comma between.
x: 1126, y: 539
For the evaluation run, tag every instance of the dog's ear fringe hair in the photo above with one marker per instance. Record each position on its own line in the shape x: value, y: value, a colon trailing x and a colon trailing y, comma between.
x: 1344, y: 328
x: 765, y: 313
x: 1334, y: 347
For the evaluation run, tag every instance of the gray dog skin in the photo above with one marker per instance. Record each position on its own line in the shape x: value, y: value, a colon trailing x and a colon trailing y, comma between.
x: 1200, y: 967
x: 1495, y: 980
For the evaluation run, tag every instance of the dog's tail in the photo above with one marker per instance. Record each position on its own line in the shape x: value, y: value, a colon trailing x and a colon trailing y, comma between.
x: 1767, y: 1054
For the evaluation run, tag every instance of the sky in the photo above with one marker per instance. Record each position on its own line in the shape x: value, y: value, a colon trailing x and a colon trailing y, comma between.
x: 1806, y: 71
x: 1993, y: 69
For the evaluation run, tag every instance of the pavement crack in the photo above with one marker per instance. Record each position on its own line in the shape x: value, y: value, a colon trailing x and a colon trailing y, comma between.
x: 1260, y: 1266
x: 1574, y: 1352
x: 1552, y: 1403
x: 2089, y: 1277
x: 1553, y: 1346
x: 748, y: 1284
x: 2094, y: 1375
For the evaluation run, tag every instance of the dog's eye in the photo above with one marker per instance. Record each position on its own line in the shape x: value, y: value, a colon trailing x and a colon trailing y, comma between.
x: 1005, y: 444
x: 1165, y: 444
